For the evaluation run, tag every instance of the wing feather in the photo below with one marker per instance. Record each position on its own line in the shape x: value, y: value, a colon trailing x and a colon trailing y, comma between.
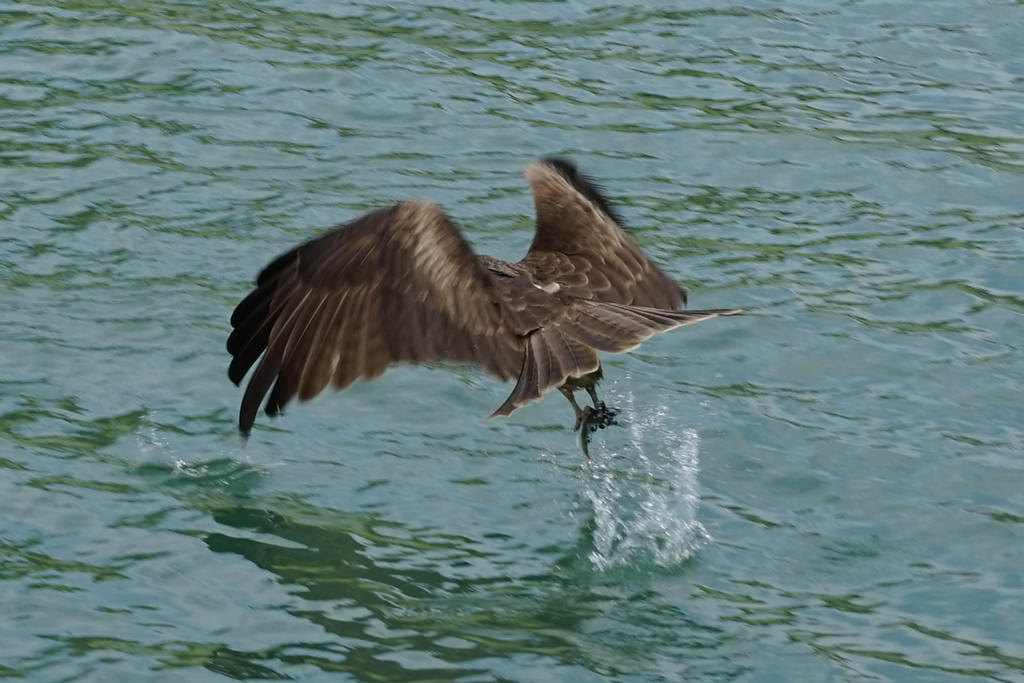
x: 578, y: 233
x: 615, y: 328
x: 317, y: 368
x: 400, y: 284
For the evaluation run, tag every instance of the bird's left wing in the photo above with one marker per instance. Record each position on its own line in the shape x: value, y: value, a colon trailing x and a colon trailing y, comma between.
x: 399, y: 284
x: 580, y: 243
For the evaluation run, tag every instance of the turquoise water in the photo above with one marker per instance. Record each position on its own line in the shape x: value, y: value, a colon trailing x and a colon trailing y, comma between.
x: 828, y: 490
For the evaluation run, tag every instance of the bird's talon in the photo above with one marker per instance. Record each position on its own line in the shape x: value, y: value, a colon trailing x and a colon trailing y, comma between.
x: 583, y: 418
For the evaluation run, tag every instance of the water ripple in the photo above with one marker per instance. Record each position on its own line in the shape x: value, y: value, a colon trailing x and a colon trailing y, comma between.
x: 850, y: 172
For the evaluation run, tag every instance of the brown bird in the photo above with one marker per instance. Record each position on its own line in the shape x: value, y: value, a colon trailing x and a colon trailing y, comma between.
x: 401, y: 285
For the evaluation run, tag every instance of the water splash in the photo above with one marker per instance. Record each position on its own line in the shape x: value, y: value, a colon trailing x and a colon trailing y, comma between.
x: 643, y: 490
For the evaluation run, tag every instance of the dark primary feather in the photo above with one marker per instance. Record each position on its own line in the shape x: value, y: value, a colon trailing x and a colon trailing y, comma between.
x: 397, y: 285
x: 583, y: 184
x: 401, y: 284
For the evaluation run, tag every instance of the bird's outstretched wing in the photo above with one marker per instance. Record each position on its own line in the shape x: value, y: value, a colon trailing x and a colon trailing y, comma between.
x: 581, y: 246
x: 399, y: 284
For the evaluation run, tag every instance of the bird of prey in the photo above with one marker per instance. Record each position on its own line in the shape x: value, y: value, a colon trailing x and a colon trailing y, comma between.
x: 402, y: 285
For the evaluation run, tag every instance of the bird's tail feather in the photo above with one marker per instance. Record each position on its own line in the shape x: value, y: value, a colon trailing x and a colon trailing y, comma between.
x: 569, y: 348
x: 550, y: 356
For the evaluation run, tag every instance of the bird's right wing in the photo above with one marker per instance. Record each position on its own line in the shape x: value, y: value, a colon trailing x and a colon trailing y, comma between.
x: 400, y: 284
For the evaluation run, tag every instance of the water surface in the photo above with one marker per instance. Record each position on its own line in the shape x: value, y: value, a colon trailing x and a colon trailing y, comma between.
x: 828, y: 490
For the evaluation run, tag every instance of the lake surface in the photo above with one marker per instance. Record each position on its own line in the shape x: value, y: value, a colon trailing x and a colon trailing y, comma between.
x: 831, y: 489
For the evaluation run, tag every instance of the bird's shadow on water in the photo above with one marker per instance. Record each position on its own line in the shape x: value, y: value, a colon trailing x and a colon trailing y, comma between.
x: 638, y: 497
x: 376, y: 586
x: 638, y: 492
